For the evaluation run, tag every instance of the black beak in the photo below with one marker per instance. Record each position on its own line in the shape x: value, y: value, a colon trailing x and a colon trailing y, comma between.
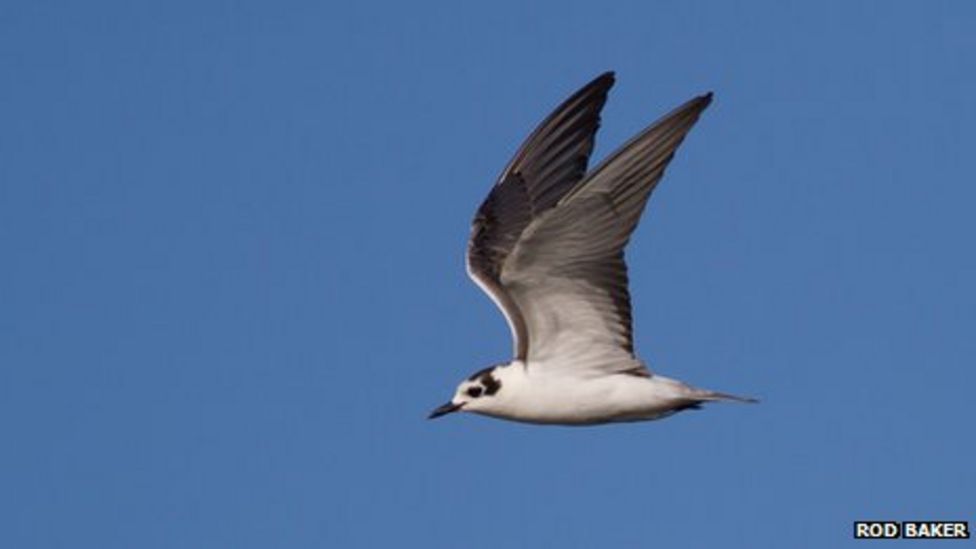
x: 444, y: 410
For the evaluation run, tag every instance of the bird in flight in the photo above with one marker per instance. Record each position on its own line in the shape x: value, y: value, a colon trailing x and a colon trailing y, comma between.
x: 547, y: 245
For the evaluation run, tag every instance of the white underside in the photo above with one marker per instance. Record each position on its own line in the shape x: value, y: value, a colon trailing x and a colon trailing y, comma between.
x: 554, y: 395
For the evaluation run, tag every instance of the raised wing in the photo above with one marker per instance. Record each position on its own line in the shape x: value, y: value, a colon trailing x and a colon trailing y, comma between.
x: 566, y: 273
x: 549, y: 164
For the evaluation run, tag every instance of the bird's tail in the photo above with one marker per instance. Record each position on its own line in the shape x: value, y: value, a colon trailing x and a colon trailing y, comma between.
x: 714, y: 396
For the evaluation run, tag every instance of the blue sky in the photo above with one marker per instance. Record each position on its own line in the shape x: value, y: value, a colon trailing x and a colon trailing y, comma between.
x: 233, y: 284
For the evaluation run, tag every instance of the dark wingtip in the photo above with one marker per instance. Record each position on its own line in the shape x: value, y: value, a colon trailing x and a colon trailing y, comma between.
x: 603, y: 82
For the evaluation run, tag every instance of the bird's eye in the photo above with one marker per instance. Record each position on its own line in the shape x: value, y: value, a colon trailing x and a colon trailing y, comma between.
x: 474, y: 392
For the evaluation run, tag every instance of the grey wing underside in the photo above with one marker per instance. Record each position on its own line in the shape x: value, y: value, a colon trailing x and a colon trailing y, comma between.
x: 548, y: 164
x: 553, y: 261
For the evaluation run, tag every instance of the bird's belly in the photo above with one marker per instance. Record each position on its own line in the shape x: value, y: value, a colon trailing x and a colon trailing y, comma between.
x: 618, y: 399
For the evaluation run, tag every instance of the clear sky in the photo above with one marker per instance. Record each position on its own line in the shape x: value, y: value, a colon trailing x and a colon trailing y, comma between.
x: 232, y: 279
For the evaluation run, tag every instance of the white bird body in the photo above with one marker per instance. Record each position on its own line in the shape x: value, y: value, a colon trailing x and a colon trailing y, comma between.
x: 547, y: 245
x: 532, y: 397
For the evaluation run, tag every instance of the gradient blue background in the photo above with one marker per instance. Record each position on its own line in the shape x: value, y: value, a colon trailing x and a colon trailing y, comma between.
x: 232, y: 281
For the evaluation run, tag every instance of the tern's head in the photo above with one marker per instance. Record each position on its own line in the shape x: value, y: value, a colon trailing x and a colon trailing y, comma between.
x: 474, y: 394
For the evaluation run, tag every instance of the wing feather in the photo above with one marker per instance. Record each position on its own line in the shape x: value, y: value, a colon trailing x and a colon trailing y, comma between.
x: 547, y: 244
x: 567, y: 273
x: 548, y: 165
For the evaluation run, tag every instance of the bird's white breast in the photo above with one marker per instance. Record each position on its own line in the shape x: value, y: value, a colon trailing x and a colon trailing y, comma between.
x: 576, y: 398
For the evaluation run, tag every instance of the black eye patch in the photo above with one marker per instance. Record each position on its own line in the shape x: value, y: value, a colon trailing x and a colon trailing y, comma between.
x: 491, y: 384
x: 474, y: 392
